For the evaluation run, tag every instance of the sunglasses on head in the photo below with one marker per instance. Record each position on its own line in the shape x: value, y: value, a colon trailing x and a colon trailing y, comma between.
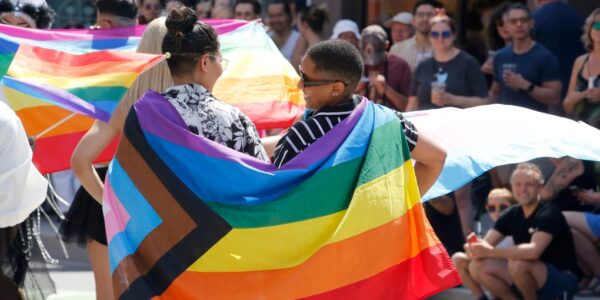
x: 444, y: 34
x: 596, y: 25
x: 496, y: 207
x: 516, y: 21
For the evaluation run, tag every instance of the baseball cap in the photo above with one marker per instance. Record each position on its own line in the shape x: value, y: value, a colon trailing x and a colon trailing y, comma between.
x: 345, y: 25
x: 403, y: 17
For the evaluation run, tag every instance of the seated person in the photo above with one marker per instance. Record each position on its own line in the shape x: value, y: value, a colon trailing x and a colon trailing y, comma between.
x: 542, y: 262
x: 329, y: 73
x: 585, y: 228
x: 498, y: 201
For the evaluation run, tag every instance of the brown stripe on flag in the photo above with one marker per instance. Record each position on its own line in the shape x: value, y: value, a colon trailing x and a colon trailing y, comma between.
x: 176, y: 223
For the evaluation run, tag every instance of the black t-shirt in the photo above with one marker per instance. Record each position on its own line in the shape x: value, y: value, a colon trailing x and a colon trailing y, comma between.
x: 463, y: 77
x: 547, y: 218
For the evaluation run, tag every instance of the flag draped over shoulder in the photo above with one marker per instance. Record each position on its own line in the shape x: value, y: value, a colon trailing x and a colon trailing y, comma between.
x: 59, y: 81
x: 187, y: 218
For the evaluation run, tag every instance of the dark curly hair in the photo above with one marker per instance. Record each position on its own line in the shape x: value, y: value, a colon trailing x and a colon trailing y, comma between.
x: 187, y: 40
x: 338, y: 59
x: 42, y: 15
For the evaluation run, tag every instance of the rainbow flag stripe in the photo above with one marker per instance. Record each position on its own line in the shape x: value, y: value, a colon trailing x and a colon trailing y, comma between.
x: 49, y: 74
x: 341, y: 220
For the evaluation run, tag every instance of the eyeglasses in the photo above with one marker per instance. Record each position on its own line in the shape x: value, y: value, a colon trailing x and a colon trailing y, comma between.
x: 522, y: 20
x: 444, y: 34
x: 596, y: 25
x: 156, y: 6
x: 499, y: 207
x: 224, y: 62
x: 308, y: 83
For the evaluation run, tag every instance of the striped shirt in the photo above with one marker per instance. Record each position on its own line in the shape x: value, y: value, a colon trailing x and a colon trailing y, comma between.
x: 316, y: 124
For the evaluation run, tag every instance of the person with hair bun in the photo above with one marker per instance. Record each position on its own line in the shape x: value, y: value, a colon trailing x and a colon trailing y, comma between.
x: 196, y: 63
x: 312, y: 20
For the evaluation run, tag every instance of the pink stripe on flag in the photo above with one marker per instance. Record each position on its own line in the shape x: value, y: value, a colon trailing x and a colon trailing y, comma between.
x: 115, y: 215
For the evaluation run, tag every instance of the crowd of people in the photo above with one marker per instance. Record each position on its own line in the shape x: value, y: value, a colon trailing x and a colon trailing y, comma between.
x: 525, y: 231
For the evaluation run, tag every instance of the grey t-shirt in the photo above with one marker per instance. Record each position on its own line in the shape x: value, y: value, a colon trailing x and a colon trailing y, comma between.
x: 463, y: 78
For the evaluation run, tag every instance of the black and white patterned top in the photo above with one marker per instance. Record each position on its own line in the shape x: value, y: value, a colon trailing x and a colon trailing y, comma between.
x: 318, y: 123
x: 215, y: 120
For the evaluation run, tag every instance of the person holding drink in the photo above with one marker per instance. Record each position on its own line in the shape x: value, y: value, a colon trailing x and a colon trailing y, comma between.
x: 451, y: 77
x: 525, y: 73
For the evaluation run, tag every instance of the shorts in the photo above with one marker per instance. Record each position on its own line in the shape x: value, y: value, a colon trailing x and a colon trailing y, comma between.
x: 594, y: 222
x: 558, y: 285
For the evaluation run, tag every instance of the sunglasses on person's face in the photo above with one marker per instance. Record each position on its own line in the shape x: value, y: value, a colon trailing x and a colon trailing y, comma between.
x: 308, y: 83
x: 156, y: 6
x: 596, y: 25
x: 437, y: 34
x: 515, y: 21
x: 499, y: 207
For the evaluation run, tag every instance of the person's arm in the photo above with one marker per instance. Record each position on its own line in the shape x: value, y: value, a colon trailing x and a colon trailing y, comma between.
x: 298, y: 53
x: 573, y: 97
x: 565, y: 172
x: 494, y: 94
x: 475, y: 81
x: 91, y: 145
x: 462, y: 101
x: 527, y: 251
x: 493, y: 237
x: 430, y: 158
x: 412, y: 104
x: 548, y: 93
x: 384, y: 88
x: 270, y: 142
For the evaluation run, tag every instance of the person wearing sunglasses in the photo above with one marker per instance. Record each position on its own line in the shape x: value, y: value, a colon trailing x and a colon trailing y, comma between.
x: 330, y: 72
x: 583, y: 96
x: 498, y: 201
x: 417, y: 48
x: 542, y: 263
x: 149, y: 10
x: 526, y: 74
x: 451, y: 77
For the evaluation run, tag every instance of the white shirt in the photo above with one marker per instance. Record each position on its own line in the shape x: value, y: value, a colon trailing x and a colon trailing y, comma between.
x: 22, y: 187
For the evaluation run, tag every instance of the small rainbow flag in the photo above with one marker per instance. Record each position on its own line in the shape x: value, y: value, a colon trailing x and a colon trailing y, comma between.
x: 52, y: 74
x: 342, y: 220
x: 48, y: 87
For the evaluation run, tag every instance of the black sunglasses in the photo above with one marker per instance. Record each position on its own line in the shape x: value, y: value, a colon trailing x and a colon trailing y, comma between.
x: 496, y: 208
x: 308, y: 83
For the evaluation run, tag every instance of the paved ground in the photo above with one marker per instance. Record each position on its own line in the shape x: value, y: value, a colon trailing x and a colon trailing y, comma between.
x: 74, y: 280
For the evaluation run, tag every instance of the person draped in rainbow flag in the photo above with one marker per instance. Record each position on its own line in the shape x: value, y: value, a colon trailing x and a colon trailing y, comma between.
x: 190, y: 215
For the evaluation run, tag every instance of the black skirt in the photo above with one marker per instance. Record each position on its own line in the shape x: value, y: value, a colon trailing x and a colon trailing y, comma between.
x: 84, y: 219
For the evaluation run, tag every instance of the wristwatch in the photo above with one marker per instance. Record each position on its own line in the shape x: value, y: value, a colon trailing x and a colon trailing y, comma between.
x: 529, y: 89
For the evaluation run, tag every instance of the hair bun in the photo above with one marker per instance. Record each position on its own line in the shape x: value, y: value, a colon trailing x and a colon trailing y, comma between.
x: 181, y: 20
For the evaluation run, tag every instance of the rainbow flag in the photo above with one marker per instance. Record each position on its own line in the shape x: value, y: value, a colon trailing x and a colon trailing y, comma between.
x: 187, y: 218
x: 52, y: 74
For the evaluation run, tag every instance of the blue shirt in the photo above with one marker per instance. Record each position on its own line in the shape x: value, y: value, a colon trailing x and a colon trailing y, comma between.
x: 537, y: 66
x: 558, y: 27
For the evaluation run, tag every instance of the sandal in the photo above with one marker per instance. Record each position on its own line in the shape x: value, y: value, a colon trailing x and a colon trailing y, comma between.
x: 592, y: 289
